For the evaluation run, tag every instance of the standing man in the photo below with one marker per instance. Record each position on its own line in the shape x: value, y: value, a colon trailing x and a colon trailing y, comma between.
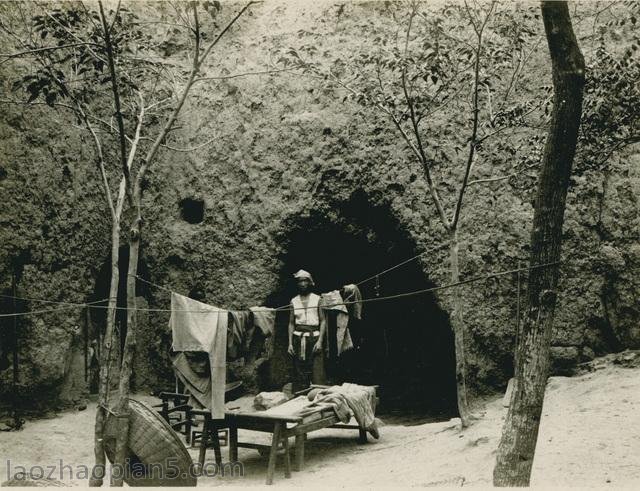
x: 307, y: 327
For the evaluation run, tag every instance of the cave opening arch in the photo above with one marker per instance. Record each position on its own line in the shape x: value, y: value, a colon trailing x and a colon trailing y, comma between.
x: 405, y: 345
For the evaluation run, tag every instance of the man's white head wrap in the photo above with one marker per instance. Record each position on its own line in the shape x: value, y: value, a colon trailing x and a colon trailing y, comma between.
x: 303, y: 274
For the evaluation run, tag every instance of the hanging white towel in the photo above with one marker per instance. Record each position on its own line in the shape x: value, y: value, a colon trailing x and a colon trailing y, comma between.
x: 196, y: 326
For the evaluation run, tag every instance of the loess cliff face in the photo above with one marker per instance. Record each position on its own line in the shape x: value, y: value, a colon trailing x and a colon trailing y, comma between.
x: 295, y: 178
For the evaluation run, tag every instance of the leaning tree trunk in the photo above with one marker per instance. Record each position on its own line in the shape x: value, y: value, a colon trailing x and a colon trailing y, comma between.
x: 520, y: 431
x: 457, y: 323
x: 105, y: 360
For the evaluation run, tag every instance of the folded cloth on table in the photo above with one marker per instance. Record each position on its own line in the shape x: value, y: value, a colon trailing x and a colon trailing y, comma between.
x: 360, y: 399
x: 329, y: 400
x: 267, y: 400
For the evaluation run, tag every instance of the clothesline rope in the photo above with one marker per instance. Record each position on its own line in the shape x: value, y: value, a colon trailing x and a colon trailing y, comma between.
x: 364, y: 300
x: 398, y: 295
x: 160, y: 287
x: 66, y: 306
x: 373, y: 277
x: 283, y: 307
x: 57, y: 302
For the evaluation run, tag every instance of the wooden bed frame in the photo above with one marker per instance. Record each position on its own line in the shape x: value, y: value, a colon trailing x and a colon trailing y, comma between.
x: 281, y: 429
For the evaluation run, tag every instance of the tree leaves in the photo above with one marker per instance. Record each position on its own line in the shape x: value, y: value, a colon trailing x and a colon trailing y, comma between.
x: 611, y: 108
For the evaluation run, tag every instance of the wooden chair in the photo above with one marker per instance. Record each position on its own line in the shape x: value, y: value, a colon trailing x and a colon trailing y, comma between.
x: 175, y: 411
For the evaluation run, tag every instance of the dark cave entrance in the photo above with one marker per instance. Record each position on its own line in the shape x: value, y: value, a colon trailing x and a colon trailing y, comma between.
x: 406, y: 344
x: 98, y: 316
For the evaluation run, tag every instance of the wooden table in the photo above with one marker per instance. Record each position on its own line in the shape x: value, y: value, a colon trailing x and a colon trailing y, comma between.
x: 281, y: 429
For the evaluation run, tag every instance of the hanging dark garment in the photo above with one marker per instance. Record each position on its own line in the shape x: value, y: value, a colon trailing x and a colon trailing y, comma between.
x: 353, y: 298
x: 240, y: 331
x: 196, y: 381
x: 264, y: 318
x: 332, y: 302
x: 351, y: 293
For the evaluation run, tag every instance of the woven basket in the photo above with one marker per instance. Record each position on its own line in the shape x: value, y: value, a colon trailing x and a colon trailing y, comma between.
x: 156, y: 455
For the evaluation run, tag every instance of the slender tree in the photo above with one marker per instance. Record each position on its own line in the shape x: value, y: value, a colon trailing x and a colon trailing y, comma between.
x: 53, y: 80
x: 96, y: 55
x: 520, y: 431
x: 200, y: 54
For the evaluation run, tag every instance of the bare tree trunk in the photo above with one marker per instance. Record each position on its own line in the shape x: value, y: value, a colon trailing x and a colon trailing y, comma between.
x: 17, y: 396
x: 520, y: 432
x: 457, y: 323
x: 124, y: 386
x: 104, y: 383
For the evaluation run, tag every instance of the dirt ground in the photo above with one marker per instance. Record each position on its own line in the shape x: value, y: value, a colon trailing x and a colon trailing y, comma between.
x: 589, y: 436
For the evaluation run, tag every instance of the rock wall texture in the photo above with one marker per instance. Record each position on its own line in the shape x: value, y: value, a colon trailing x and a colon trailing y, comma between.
x: 291, y: 164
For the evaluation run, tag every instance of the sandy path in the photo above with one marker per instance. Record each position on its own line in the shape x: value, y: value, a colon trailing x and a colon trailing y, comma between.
x: 590, y: 435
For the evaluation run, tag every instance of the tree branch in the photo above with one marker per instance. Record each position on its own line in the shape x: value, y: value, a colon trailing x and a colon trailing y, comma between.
x: 619, y: 144
x: 116, y: 102
x: 489, y: 179
x: 115, y: 16
x: 245, y: 74
x: 222, y: 33
x: 136, y: 137
x: 197, y: 63
x: 191, y: 149
x: 101, y: 167
x: 37, y: 103
x: 45, y: 48
x: 500, y: 178
x: 74, y: 36
x: 471, y: 19
x: 416, y: 131
x: 474, y: 132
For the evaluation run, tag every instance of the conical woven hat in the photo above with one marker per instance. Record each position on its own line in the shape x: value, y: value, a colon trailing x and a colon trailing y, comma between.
x: 153, y: 445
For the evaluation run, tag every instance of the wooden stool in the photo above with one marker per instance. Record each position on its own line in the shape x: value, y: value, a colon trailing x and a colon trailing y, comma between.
x: 208, y: 436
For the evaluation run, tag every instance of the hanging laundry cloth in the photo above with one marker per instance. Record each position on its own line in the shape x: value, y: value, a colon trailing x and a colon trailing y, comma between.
x: 196, y: 326
x: 197, y: 384
x: 264, y: 318
x: 240, y: 332
x: 333, y: 301
x: 352, y: 294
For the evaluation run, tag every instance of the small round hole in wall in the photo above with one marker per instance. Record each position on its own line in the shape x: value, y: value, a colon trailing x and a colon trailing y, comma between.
x: 192, y: 210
